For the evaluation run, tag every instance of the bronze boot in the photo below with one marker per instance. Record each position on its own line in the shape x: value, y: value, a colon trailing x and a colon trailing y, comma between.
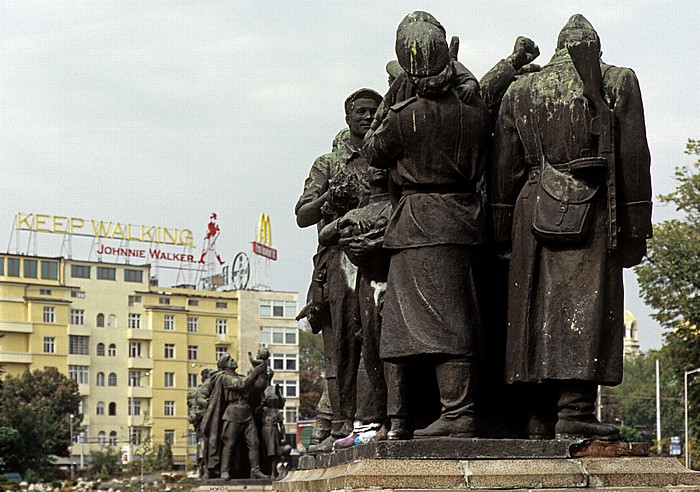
x: 576, y: 419
x: 457, y: 419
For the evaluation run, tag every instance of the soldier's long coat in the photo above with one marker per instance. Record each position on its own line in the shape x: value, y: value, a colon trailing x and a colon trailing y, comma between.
x: 565, y: 314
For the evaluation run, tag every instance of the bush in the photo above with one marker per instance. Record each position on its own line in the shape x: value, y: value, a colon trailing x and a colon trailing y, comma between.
x: 105, y: 463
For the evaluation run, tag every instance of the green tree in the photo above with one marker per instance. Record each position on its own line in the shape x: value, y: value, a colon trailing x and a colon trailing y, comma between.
x: 669, y: 279
x: 105, y: 462
x: 634, y: 401
x: 38, y: 405
x: 311, y: 366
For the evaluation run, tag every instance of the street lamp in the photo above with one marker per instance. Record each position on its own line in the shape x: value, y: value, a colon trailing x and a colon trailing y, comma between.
x: 71, y: 446
x: 685, y: 400
x: 131, y: 414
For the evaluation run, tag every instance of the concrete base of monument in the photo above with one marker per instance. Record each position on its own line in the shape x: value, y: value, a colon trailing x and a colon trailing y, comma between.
x: 484, y: 464
x: 249, y: 485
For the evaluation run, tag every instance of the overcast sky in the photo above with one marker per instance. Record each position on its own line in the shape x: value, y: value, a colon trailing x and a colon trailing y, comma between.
x: 160, y: 113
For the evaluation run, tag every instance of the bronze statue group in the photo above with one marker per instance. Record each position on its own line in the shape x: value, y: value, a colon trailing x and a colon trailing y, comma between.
x: 471, y: 241
x: 229, y: 411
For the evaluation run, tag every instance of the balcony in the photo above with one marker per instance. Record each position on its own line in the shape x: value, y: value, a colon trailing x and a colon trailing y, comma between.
x: 15, y: 358
x: 139, y: 392
x: 78, y: 360
x: 139, y: 363
x: 222, y: 339
x: 83, y: 330
x: 16, y: 327
x: 84, y: 389
x: 139, y: 334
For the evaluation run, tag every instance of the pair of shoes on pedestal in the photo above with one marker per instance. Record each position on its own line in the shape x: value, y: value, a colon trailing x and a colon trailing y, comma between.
x: 381, y: 435
x: 361, y: 433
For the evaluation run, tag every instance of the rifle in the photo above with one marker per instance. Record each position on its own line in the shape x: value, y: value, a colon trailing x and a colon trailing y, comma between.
x: 586, y: 58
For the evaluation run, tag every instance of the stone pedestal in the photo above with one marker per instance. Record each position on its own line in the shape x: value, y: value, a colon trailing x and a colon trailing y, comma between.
x: 239, y: 485
x: 485, y: 464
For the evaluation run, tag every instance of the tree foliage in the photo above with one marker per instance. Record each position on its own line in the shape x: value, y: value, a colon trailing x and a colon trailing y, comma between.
x: 38, y: 406
x: 669, y: 280
x: 634, y: 401
x: 311, y: 368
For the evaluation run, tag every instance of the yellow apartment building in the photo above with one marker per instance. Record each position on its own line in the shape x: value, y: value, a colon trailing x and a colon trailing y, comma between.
x: 135, y: 348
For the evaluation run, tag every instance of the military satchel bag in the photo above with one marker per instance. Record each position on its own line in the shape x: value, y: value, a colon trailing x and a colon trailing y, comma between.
x: 562, y: 212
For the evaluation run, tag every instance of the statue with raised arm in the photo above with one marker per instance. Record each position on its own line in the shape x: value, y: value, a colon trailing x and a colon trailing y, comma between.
x: 229, y: 418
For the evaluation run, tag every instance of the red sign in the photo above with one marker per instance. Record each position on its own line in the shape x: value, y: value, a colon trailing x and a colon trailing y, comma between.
x: 263, y: 250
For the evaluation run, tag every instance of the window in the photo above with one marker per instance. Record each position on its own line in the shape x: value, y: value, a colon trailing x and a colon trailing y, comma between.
x: 290, y: 415
x: 220, y: 352
x: 100, y: 379
x: 221, y: 305
x: 112, y: 350
x: 49, y: 270
x: 191, y: 380
x: 169, y: 380
x: 135, y: 436
x: 134, y: 300
x: 134, y: 407
x: 192, y: 352
x: 289, y: 388
x: 279, y: 335
x: 100, y: 350
x: 169, y: 351
x: 100, y: 322
x: 169, y: 408
x: 44, y: 292
x: 277, y: 309
x: 169, y: 322
x: 30, y: 268
x: 101, y: 438
x: 77, y: 294
x: 77, y: 316
x: 169, y: 436
x: 191, y: 438
x: 134, y: 321
x: 113, y: 438
x: 163, y: 300
x: 106, y: 273
x: 192, y: 302
x: 2, y: 266
x: 112, y: 321
x: 192, y: 324
x: 133, y: 275
x: 78, y: 345
x: 79, y: 374
x: 135, y: 378
x: 284, y: 362
x: 13, y: 267
x: 49, y: 345
x: 80, y: 271
x: 134, y: 349
x: 221, y: 326
x: 100, y: 408
x: 49, y: 314
x: 112, y: 409
x: 112, y: 379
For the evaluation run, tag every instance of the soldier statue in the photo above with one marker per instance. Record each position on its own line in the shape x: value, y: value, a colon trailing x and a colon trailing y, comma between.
x: 571, y: 188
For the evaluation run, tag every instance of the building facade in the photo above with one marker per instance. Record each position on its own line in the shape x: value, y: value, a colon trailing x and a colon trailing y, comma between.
x: 136, y: 349
x: 631, y: 335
